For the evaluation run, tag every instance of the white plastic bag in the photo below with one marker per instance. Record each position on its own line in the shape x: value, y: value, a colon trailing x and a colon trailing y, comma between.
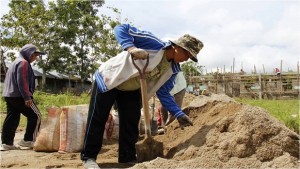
x: 72, y: 128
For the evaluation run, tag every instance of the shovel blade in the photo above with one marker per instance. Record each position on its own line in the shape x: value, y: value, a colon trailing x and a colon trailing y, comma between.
x: 148, y: 149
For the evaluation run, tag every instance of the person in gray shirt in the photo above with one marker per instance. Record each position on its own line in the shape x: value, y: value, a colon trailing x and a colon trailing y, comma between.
x: 19, y: 86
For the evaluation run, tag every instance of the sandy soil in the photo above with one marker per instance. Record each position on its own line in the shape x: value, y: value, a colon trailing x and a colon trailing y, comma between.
x: 225, y: 134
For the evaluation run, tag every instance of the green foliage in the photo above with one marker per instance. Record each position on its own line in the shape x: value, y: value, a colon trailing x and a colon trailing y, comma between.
x: 286, y: 111
x: 2, y: 105
x: 81, y: 30
x: 191, y: 68
x: 23, y: 24
x: 73, y: 35
x: 45, y: 100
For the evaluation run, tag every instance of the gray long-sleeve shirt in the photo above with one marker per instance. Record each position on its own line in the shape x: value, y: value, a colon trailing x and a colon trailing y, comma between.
x: 20, y: 79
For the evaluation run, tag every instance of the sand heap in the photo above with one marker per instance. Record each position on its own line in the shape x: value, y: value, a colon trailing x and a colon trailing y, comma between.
x: 227, y: 134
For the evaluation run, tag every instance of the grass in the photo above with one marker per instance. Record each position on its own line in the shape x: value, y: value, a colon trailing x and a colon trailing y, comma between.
x: 45, y: 100
x: 286, y: 111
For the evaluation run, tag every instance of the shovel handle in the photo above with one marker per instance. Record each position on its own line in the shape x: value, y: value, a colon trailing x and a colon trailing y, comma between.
x: 142, y: 72
x: 143, y: 82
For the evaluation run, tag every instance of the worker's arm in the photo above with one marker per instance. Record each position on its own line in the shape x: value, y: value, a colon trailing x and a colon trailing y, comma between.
x: 130, y: 37
x: 23, y: 80
x: 168, y: 102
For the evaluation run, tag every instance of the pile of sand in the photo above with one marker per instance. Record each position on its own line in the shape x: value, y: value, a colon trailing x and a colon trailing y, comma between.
x: 227, y: 134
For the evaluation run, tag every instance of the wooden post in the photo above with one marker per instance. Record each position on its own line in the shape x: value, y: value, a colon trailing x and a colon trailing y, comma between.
x: 242, y: 67
x: 264, y: 68
x: 223, y: 79
x: 281, y: 72
x: 281, y: 66
x: 233, y: 65
x: 260, y: 85
x: 298, y: 79
x: 217, y: 80
x: 190, y: 77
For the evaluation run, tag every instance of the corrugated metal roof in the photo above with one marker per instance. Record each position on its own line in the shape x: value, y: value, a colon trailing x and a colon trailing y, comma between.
x: 39, y: 72
x: 53, y: 74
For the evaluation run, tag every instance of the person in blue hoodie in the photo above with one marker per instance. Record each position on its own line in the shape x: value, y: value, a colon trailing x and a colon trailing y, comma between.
x: 19, y: 85
x: 118, y: 80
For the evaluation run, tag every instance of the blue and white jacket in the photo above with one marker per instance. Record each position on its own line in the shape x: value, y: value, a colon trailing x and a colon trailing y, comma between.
x: 120, y: 68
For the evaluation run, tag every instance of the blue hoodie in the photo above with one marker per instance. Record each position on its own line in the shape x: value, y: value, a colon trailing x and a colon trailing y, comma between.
x: 20, y: 79
x: 128, y: 36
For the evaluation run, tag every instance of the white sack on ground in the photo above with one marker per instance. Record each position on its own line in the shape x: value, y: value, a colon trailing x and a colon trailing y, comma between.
x: 72, y: 128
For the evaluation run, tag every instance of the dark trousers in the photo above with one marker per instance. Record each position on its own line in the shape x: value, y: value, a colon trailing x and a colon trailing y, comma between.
x: 129, y: 109
x: 16, y: 106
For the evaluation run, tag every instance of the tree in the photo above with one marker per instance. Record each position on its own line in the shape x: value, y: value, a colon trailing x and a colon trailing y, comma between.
x: 71, y: 33
x: 191, y: 68
x: 87, y: 36
x: 25, y: 23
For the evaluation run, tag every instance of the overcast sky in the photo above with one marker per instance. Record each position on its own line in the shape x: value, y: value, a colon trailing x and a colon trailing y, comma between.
x: 251, y: 32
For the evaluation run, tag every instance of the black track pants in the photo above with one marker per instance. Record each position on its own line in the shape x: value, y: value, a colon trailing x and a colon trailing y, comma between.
x: 16, y: 106
x: 129, y: 105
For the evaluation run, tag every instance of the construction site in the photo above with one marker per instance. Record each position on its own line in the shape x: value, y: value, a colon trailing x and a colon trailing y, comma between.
x: 256, y: 86
x: 225, y: 134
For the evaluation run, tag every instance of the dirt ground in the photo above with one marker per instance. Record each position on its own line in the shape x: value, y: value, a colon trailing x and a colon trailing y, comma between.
x: 225, y: 134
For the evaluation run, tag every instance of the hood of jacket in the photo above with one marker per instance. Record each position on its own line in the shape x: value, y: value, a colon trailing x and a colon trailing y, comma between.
x: 27, y: 50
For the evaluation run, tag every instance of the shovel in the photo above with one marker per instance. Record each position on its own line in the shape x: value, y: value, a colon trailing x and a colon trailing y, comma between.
x: 148, y: 148
x: 153, y: 123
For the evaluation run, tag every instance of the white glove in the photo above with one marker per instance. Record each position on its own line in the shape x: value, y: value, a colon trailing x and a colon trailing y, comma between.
x: 138, y: 53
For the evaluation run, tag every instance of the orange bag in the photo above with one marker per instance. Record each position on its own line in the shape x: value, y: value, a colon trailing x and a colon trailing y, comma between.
x: 48, y: 137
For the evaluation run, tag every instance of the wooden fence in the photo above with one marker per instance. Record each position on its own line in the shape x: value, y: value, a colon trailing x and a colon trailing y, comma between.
x: 266, y: 86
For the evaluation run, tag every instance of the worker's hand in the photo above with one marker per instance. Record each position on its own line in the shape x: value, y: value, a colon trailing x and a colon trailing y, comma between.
x: 184, y: 121
x: 28, y: 103
x: 170, y: 119
x: 138, y: 53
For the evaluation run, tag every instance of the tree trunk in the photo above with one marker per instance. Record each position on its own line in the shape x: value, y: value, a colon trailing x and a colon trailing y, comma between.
x: 2, y: 60
x: 44, y: 81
